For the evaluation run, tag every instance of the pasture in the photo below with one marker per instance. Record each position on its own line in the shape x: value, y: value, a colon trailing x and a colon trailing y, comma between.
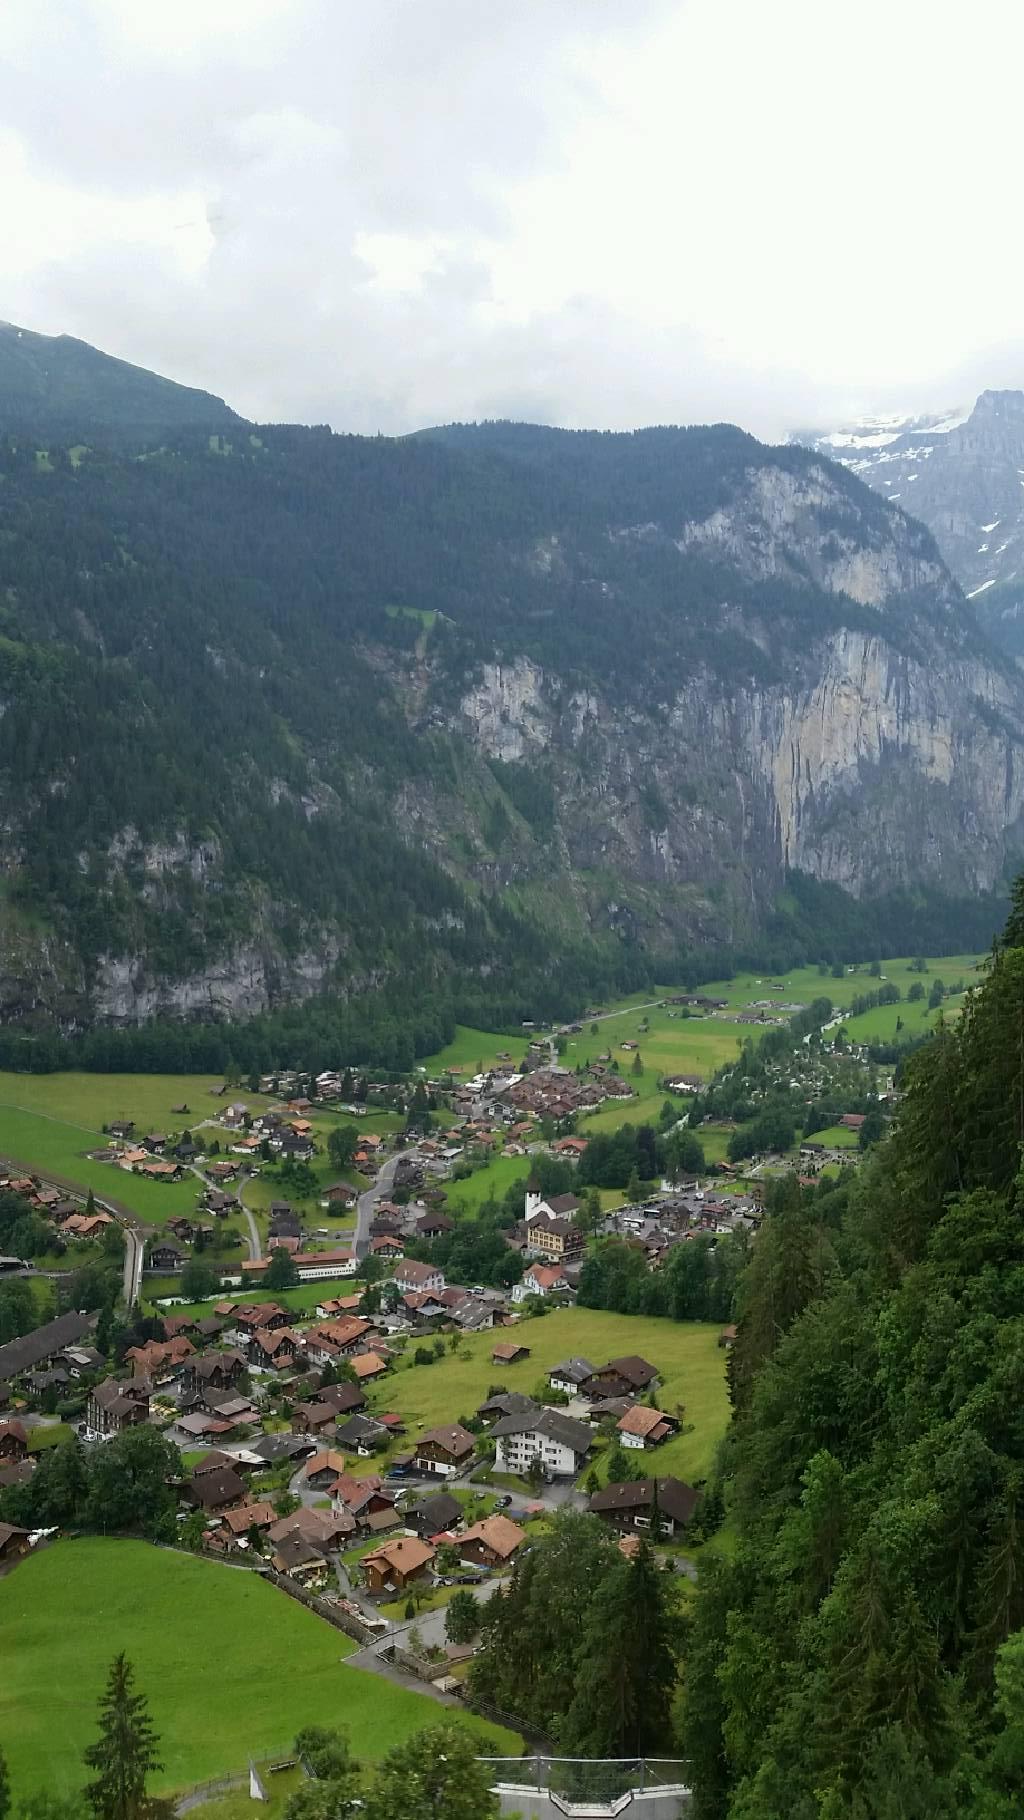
x: 200, y: 1636
x: 689, y: 1360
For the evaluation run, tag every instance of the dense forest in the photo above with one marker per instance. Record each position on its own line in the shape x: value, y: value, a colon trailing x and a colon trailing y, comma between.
x: 861, y: 1652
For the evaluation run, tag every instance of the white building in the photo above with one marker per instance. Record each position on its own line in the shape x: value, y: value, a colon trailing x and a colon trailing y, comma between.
x: 560, y: 1443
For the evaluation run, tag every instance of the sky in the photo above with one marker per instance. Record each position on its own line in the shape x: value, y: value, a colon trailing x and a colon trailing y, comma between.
x: 392, y: 213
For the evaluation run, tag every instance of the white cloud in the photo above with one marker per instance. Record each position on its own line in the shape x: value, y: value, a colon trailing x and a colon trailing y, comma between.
x: 389, y: 215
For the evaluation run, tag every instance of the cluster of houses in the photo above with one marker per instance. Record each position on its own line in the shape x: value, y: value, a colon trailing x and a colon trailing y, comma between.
x: 67, y: 1216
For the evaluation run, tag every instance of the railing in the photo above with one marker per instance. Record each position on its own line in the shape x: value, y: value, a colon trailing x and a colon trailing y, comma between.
x: 578, y: 1784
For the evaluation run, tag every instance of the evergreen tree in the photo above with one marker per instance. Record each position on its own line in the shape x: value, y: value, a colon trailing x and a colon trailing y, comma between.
x: 126, y: 1751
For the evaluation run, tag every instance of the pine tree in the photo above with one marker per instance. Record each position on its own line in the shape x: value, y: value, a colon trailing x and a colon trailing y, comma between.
x: 125, y: 1752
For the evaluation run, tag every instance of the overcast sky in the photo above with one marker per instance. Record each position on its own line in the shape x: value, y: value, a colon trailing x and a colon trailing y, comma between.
x: 388, y: 213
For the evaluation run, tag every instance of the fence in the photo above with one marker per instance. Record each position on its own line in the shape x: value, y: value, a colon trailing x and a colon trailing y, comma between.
x: 607, y: 1780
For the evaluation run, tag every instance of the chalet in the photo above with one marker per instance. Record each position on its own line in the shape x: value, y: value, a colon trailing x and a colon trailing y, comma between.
x: 368, y: 1365
x: 435, y: 1516
x: 642, y: 1427
x: 569, y: 1146
x: 334, y: 1340
x: 85, y: 1226
x: 505, y: 1403
x: 396, y: 1563
x: 337, y: 1305
x: 165, y: 1257
x: 344, y: 1399
x: 548, y: 1435
x: 411, y: 1275
x: 541, y: 1279
x: 313, y: 1418
x: 215, y: 1371
x: 115, y: 1405
x: 507, y: 1352
x: 13, y: 1442
x: 258, y: 1317
x: 569, y: 1375
x: 633, y: 1505
x: 361, y: 1434
x: 160, y: 1359
x: 215, y: 1490
x: 852, y: 1121
x: 323, y: 1529
x: 444, y: 1450
x: 628, y: 1376
x: 121, y: 1128
x: 276, y: 1449
x: 364, y: 1500
x: 243, y: 1517
x: 387, y: 1246
x: 14, y: 1543
x: 324, y: 1468
x: 492, y: 1542
x: 274, y: 1350
x: 433, y: 1226
x: 339, y: 1195
x: 423, y: 1306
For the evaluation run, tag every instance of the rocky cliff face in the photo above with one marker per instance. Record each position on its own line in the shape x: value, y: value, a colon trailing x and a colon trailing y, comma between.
x: 961, y: 473
x: 391, y: 711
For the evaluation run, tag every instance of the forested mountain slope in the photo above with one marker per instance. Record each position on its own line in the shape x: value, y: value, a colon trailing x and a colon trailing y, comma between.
x: 58, y: 384
x: 863, y: 1652
x: 287, y: 712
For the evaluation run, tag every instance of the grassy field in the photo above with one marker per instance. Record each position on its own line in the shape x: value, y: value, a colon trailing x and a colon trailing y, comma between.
x: 48, y: 1122
x: 471, y: 1049
x: 303, y: 1299
x: 494, y: 1179
x: 47, y: 1146
x: 835, y: 1136
x: 66, y: 1611
x: 689, y: 1360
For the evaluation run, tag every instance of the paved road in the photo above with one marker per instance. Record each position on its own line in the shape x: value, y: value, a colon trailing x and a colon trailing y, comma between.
x: 134, y: 1253
x: 367, y: 1202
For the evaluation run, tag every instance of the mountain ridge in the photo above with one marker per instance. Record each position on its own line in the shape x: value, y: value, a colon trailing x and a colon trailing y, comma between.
x: 288, y: 713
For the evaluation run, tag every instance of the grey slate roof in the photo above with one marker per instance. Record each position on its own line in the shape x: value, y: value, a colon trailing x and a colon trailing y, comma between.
x: 548, y: 1422
x: 43, y: 1343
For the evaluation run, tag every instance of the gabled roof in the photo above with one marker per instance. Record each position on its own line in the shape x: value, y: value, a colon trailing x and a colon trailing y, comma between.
x: 35, y: 1348
x: 405, y: 1553
x: 453, y: 1438
x: 497, y: 1533
x: 643, y: 1421
x: 574, y: 1370
x: 677, y: 1500
x: 551, y: 1423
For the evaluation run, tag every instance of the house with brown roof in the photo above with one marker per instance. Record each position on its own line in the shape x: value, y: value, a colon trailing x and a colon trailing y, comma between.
x: 313, y: 1418
x: 444, y: 1450
x: 492, y: 1542
x: 275, y: 1349
x: 243, y: 1517
x: 114, y: 1405
x: 13, y: 1441
x: 628, y: 1376
x: 642, y: 1427
x: 396, y: 1563
x: 324, y: 1468
x: 14, y: 1543
x: 540, y: 1279
x: 507, y: 1352
x: 632, y: 1505
x: 215, y: 1490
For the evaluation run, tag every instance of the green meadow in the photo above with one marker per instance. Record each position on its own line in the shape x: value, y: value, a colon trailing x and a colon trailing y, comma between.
x: 689, y: 1360
x: 68, y: 1610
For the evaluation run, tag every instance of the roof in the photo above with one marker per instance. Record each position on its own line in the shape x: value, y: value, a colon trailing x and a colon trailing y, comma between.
x: 221, y: 1486
x: 410, y: 1270
x: 563, y: 1203
x: 368, y: 1364
x: 563, y: 1429
x: 677, y: 1500
x: 404, y: 1553
x: 439, y: 1512
x: 636, y: 1371
x: 575, y: 1370
x: 642, y: 1421
x: 453, y: 1438
x: 35, y: 1348
x: 10, y: 1531
x: 261, y: 1513
x: 497, y: 1533
x: 546, y: 1274
x: 507, y: 1350
x: 327, y: 1461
